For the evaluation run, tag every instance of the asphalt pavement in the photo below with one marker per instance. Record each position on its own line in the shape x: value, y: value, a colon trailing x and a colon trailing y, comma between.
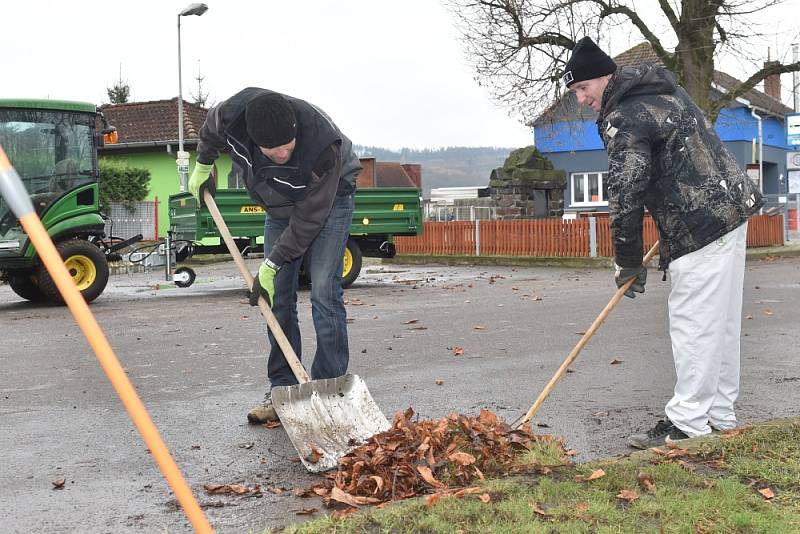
x: 197, y: 358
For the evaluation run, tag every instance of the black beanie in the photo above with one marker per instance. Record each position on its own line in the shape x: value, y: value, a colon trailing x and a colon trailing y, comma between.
x: 270, y: 120
x: 587, y: 62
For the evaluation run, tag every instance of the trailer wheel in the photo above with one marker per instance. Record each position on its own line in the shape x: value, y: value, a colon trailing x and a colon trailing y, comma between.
x: 25, y: 286
x: 352, y: 263
x: 184, y: 276
x: 86, y: 264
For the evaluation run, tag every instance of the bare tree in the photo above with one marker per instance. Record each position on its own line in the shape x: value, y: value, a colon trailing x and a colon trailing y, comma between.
x: 519, y: 47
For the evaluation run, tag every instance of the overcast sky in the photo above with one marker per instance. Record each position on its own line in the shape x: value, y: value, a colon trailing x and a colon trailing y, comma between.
x: 391, y: 73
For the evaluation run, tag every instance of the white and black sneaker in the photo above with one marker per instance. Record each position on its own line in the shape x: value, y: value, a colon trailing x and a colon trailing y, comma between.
x: 662, y: 434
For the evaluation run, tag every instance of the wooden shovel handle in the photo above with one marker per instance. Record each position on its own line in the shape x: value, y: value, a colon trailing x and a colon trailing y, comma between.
x: 288, y: 352
x: 584, y: 339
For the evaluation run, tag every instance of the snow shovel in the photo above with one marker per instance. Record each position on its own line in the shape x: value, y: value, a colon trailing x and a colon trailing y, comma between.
x: 584, y: 339
x: 325, y: 419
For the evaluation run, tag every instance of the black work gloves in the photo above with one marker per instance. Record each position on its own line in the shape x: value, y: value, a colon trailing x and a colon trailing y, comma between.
x: 623, y: 274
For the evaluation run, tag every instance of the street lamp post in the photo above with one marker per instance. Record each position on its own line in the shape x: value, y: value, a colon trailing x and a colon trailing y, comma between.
x: 183, y: 157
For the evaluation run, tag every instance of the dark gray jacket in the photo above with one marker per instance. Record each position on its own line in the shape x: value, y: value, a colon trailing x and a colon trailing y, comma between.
x: 302, y: 190
x: 664, y: 154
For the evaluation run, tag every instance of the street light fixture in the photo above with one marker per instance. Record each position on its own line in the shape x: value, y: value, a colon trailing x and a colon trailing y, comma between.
x: 183, y: 157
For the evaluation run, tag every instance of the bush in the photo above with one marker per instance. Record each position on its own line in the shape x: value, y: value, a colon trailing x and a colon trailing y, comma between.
x: 120, y: 182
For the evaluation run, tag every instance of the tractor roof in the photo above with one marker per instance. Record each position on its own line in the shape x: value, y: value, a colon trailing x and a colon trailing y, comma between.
x: 54, y: 105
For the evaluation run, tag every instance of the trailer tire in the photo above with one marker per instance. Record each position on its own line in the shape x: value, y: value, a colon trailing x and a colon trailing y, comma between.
x: 86, y: 264
x: 351, y: 267
x: 25, y: 286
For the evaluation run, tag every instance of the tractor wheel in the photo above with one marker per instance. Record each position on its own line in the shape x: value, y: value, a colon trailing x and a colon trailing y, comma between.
x: 25, y: 286
x: 86, y: 264
x: 352, y: 263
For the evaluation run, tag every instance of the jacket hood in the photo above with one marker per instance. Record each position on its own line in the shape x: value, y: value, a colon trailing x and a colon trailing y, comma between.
x: 636, y: 81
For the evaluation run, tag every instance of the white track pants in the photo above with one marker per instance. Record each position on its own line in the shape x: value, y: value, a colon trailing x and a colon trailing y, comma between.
x: 705, y: 319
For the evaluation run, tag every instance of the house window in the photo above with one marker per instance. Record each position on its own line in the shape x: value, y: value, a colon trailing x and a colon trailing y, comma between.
x: 589, y: 188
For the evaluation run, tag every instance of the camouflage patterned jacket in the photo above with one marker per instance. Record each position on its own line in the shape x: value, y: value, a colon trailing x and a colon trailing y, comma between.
x: 663, y: 154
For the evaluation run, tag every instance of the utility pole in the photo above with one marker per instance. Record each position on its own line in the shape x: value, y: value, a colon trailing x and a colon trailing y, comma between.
x: 795, y: 83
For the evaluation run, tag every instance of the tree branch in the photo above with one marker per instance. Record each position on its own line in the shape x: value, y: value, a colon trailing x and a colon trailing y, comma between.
x: 608, y: 10
x: 742, y: 88
x: 670, y: 14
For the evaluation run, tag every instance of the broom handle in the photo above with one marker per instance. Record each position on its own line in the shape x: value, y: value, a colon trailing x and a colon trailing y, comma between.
x: 288, y: 352
x: 584, y: 339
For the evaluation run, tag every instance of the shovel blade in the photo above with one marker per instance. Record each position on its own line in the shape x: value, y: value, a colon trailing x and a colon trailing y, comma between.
x: 325, y: 419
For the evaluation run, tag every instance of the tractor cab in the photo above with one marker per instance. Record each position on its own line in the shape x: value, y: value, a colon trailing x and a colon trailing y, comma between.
x: 53, y: 147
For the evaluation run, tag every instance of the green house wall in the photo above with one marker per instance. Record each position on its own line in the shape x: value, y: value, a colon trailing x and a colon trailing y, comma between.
x: 164, y: 179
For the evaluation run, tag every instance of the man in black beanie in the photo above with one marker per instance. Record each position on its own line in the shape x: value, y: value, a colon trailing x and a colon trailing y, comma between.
x: 301, y: 169
x: 664, y: 155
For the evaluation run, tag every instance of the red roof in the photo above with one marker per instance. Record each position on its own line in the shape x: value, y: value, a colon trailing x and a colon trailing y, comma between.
x: 154, y: 122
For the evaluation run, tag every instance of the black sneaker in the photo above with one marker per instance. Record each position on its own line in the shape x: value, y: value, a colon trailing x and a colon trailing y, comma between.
x: 663, y: 433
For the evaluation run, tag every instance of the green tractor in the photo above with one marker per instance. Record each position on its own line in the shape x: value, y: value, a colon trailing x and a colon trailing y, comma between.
x: 53, y: 147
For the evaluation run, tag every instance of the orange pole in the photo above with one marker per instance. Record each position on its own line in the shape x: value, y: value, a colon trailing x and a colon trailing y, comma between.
x: 108, y: 361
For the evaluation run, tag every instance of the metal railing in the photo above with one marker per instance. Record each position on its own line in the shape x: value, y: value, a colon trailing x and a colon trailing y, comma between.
x: 141, y: 218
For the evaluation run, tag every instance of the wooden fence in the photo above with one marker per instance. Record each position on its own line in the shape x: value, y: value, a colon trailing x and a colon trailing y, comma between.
x: 548, y: 237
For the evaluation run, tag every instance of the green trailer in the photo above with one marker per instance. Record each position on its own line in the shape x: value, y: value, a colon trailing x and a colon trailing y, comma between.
x: 380, y: 214
x: 53, y: 147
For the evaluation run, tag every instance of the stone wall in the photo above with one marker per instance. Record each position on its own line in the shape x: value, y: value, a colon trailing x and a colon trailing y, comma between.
x: 527, y: 186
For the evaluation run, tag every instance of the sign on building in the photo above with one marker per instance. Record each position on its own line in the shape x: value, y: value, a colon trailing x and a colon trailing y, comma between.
x: 793, y: 129
x: 793, y: 171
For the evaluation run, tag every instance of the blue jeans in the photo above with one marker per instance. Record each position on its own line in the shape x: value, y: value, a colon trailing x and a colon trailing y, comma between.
x: 327, y: 298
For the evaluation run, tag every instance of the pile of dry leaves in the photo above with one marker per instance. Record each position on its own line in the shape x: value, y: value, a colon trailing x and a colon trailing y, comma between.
x: 417, y: 457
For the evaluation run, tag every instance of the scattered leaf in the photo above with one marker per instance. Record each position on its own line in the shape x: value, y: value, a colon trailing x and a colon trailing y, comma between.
x: 427, y: 476
x: 617, y: 361
x: 768, y: 312
x: 748, y: 317
x: 315, y: 455
x: 411, y: 321
x: 583, y: 505
x: 306, y: 511
x: 485, y: 498
x: 646, y: 483
x: 467, y: 491
x: 232, y: 489
x: 458, y: 351
x: 581, y: 333
x: 767, y: 493
x: 438, y: 381
x: 538, y: 509
x: 59, y: 483
x: 432, y: 499
x: 628, y: 495
x: 341, y: 514
x: 479, y: 327
x: 597, y: 473
x: 461, y: 458
x: 272, y: 424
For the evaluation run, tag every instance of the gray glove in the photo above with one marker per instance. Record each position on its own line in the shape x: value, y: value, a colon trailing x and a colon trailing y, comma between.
x: 623, y: 274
